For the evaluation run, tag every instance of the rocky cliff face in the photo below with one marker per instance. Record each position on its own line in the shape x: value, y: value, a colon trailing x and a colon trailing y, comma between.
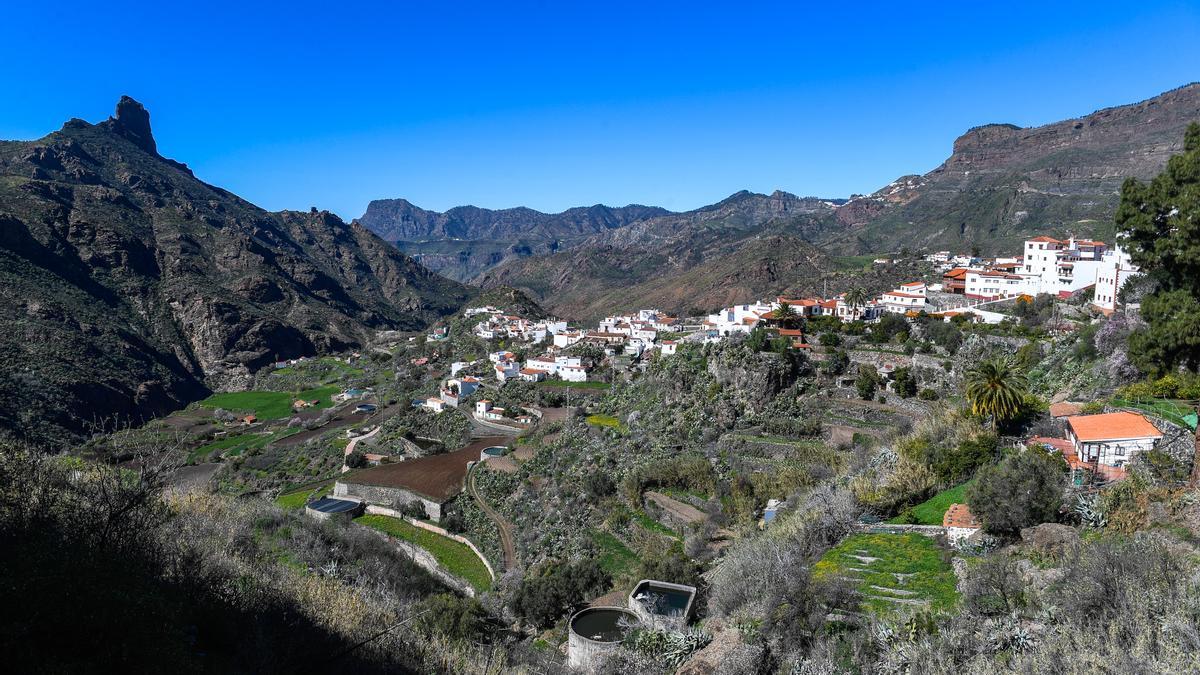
x: 128, y: 287
x: 1003, y: 183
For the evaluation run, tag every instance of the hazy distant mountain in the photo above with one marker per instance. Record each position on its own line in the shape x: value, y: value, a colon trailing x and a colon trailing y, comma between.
x: 466, y: 241
x: 1003, y: 183
x: 128, y: 287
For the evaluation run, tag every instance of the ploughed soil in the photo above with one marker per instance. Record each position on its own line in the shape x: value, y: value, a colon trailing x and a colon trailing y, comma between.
x: 438, y: 477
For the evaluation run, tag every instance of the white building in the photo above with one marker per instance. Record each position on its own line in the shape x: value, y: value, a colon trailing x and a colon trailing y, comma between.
x: 1112, y: 439
x: 668, y: 347
x: 1114, y: 271
x: 575, y: 373
x: 434, y: 404
x: 738, y: 319
x: 485, y: 411
x: 993, y: 285
x: 910, y: 297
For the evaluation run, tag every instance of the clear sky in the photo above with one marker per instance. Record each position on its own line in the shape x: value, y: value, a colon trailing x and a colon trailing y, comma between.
x: 559, y: 104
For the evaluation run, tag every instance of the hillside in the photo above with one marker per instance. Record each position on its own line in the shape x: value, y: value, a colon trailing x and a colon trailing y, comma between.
x: 130, y: 287
x: 1002, y: 183
x: 744, y: 246
x: 466, y: 241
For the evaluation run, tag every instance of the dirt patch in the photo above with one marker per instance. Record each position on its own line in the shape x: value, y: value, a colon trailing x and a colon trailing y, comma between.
x: 193, y: 477
x: 504, y: 464
x: 438, y: 477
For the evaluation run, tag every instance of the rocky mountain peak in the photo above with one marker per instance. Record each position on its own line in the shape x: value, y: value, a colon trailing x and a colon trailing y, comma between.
x: 132, y: 121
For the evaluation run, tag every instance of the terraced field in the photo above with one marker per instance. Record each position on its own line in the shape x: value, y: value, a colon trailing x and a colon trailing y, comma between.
x: 893, y: 572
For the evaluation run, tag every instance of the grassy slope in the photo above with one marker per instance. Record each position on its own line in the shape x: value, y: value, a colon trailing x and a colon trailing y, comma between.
x: 457, y: 559
x: 931, y: 577
x: 268, y: 405
x: 932, y: 510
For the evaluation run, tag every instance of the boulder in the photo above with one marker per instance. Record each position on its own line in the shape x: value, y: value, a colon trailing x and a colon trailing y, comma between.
x: 1050, y: 538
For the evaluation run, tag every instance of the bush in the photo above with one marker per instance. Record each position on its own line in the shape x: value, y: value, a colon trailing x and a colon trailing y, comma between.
x: 356, y: 460
x: 830, y: 339
x: 1023, y: 490
x: 904, y: 383
x: 867, y: 382
x: 928, y: 394
x: 450, y: 616
x: 550, y: 592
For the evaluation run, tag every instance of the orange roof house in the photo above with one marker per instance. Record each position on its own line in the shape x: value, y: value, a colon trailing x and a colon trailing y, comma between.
x: 1112, y: 427
x: 1112, y: 439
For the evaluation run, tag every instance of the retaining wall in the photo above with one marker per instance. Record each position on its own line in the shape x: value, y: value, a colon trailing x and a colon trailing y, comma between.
x: 384, y: 511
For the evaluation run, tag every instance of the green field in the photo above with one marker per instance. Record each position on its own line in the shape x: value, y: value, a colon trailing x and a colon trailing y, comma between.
x: 268, y: 405
x: 457, y: 559
x: 232, y: 446
x: 298, y: 498
x: 925, y: 579
x: 615, y: 557
x: 931, y: 511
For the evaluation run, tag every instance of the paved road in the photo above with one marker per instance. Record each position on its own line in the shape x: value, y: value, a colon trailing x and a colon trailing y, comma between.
x: 505, y: 528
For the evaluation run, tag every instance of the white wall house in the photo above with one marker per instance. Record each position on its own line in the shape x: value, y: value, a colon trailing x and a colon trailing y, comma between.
x: 993, y: 285
x: 1114, y: 271
x: 1112, y: 439
x: 573, y: 373
x: 910, y: 297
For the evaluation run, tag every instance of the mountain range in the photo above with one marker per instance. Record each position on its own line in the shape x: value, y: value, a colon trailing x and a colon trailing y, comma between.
x: 128, y: 287
x: 1001, y: 184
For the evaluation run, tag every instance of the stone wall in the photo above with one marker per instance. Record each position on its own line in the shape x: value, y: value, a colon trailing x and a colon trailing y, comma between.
x: 388, y: 497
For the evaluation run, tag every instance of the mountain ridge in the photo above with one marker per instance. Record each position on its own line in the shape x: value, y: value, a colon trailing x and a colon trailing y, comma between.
x: 131, y: 287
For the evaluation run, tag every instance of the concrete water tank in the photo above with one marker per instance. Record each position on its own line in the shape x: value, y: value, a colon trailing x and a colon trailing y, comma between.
x: 595, y: 633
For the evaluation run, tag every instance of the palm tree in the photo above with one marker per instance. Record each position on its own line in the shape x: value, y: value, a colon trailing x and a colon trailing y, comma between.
x: 856, y: 297
x: 996, y: 388
x: 786, y: 316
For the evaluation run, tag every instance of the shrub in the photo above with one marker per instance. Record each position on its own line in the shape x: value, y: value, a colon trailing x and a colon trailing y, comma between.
x: 450, y: 616
x: 830, y: 339
x: 927, y: 394
x: 905, y: 383
x: 867, y: 382
x: 356, y: 460
x: 549, y: 592
x: 1023, y: 490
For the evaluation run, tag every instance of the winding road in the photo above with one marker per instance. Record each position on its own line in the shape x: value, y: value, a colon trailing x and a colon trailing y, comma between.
x: 504, y: 527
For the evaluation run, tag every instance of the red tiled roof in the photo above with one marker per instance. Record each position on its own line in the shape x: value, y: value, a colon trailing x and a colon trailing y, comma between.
x: 1044, y: 238
x: 956, y: 273
x: 1112, y: 426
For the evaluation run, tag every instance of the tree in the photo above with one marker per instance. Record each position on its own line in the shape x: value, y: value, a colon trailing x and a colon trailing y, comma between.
x: 1160, y: 223
x: 1023, y: 490
x: 905, y: 383
x: 856, y: 297
x: 786, y: 315
x: 356, y: 459
x: 867, y: 382
x: 995, y: 388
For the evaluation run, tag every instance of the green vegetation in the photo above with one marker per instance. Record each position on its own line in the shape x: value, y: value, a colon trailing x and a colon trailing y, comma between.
x: 561, y: 384
x: 298, y: 498
x: 232, y: 446
x: 1023, y: 490
x: 606, y: 421
x: 927, y: 576
x: 997, y: 390
x: 1161, y: 221
x: 615, y: 558
x: 933, y: 510
x: 457, y: 559
x: 268, y: 405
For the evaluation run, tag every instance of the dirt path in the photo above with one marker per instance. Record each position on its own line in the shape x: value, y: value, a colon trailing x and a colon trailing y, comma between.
x: 502, y: 525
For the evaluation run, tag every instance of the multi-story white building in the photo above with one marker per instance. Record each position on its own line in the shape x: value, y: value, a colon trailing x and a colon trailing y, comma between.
x: 910, y: 297
x: 1114, y: 271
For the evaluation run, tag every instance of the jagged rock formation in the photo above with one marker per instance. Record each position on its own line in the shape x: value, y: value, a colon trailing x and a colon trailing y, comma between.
x: 128, y: 287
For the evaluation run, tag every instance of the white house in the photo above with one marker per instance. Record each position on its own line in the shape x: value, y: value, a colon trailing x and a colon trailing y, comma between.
x: 567, y: 338
x: 910, y: 297
x: 434, y: 404
x: 1112, y: 439
x: 667, y: 347
x: 531, y: 375
x: 573, y: 373
x: 993, y: 285
x: 485, y: 411
x: 507, y: 370
x: 457, y: 389
x: 1114, y: 271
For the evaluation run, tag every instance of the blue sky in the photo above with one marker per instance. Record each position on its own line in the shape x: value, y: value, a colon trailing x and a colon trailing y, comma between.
x: 552, y: 105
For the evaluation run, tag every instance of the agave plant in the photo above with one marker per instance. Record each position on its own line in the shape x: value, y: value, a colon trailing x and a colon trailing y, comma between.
x: 1091, y: 513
